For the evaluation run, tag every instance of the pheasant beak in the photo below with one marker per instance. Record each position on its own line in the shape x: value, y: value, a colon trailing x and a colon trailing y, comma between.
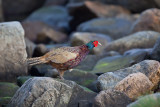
x: 99, y: 43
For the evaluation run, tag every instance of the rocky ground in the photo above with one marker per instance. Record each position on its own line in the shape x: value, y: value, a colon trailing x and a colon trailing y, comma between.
x: 123, y: 72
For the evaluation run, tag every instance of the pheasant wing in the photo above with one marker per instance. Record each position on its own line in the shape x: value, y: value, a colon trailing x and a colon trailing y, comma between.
x: 63, y: 54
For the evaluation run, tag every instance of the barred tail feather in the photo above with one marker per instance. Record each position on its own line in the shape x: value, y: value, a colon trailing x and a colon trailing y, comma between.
x: 35, y: 61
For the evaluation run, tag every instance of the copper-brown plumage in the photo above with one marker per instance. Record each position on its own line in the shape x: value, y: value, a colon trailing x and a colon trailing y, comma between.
x: 63, y: 58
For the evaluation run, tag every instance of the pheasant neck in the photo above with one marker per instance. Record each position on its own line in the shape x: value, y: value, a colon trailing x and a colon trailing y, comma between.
x: 90, y: 46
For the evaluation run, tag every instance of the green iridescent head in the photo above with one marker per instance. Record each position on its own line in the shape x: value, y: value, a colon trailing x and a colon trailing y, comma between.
x: 92, y: 44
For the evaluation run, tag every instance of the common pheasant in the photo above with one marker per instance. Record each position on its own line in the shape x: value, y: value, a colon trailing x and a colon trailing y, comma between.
x: 64, y: 58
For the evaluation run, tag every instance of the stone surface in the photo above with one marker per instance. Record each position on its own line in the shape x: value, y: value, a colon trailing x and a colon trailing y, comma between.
x: 135, y: 85
x: 83, y: 78
x: 55, y: 2
x: 90, y: 61
x: 40, y: 50
x: 143, y: 39
x: 148, y: 20
x: 30, y: 46
x: 1, y: 11
x: 111, y: 98
x: 39, y: 32
x: 20, y: 9
x: 92, y: 9
x: 138, y: 50
x: 155, y: 53
x: 148, y: 67
x: 13, y: 52
x: 7, y: 89
x: 4, y: 101
x: 80, y: 38
x: 108, y: 26
x: 151, y: 100
x: 109, y: 64
x: 45, y: 91
x: 55, y: 16
x: 22, y: 79
x: 40, y: 70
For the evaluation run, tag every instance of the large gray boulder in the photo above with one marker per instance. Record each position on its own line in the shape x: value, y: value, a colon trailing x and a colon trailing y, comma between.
x: 45, y: 91
x: 143, y: 39
x: 13, y: 51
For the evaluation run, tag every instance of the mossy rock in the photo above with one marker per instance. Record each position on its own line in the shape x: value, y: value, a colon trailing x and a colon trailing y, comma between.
x: 114, y: 63
x: 7, y: 89
x: 4, y: 100
x: 22, y: 79
x: 152, y: 100
x: 83, y: 78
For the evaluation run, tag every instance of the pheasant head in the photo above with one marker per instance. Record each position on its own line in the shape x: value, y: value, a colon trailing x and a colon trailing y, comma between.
x: 92, y: 44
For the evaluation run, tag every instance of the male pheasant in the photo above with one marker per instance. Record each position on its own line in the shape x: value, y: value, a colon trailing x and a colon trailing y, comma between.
x: 64, y: 58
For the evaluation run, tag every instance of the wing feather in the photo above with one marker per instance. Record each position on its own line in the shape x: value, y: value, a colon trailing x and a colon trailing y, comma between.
x: 62, y: 55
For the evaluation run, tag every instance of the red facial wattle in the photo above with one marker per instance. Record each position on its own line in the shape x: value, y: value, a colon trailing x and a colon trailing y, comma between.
x: 95, y: 43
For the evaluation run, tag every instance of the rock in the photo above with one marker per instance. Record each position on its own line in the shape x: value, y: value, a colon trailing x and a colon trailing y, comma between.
x: 80, y: 38
x: 39, y: 32
x: 55, y: 2
x: 148, y: 67
x: 135, y: 85
x: 83, y: 78
x: 138, y: 50
x: 151, y: 100
x: 55, y: 16
x: 84, y: 103
x: 13, y: 51
x: 7, y: 89
x: 4, y: 101
x: 45, y: 91
x: 90, y: 61
x: 148, y: 20
x: 108, y: 26
x: 111, y: 98
x: 20, y: 9
x: 1, y: 13
x: 40, y: 70
x: 92, y: 9
x: 40, y: 50
x: 22, y: 79
x: 155, y: 53
x: 142, y: 5
x: 52, y: 73
x: 30, y: 46
x: 113, y: 63
x: 144, y: 39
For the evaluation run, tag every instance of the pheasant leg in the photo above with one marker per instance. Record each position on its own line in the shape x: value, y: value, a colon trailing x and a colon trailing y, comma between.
x: 61, y: 73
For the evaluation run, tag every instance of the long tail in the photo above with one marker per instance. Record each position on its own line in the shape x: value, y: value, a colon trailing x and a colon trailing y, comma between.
x: 36, y: 60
